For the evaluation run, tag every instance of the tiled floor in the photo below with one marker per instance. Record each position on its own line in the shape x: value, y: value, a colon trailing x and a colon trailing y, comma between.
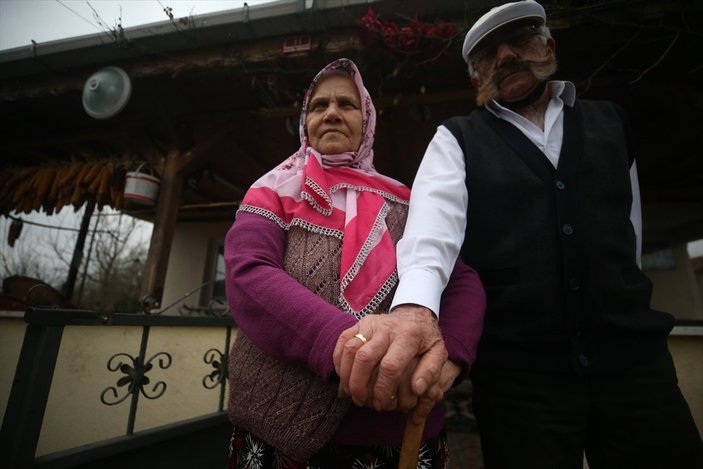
x: 464, y: 441
x: 464, y: 451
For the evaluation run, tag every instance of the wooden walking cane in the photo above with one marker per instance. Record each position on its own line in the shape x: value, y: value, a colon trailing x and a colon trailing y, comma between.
x: 410, y: 448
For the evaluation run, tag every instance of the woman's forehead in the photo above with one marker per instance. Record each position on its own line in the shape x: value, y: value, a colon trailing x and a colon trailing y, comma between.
x: 339, y: 77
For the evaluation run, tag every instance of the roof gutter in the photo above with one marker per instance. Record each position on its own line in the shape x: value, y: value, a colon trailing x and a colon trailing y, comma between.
x: 237, y: 25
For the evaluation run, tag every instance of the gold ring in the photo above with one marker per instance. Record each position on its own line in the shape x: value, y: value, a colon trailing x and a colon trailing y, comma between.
x: 361, y: 337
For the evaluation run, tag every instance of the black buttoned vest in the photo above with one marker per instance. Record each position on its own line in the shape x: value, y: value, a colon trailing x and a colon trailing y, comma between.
x: 555, y: 249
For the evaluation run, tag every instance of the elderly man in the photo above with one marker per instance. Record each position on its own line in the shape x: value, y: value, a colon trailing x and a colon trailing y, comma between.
x: 537, y: 190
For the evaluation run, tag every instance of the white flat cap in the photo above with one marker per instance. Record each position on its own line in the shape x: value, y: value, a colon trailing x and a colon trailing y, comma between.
x: 498, y: 17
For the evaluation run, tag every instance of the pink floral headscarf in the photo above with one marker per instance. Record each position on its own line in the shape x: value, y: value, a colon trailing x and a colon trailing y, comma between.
x: 339, y: 195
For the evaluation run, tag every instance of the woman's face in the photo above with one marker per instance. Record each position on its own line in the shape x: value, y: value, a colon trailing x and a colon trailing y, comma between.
x: 333, y: 119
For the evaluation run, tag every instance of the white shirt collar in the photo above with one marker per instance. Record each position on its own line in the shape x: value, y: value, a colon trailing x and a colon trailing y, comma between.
x: 564, y: 90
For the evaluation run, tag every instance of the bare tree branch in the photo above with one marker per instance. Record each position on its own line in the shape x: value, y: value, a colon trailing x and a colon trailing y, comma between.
x: 658, y: 60
x: 608, y: 60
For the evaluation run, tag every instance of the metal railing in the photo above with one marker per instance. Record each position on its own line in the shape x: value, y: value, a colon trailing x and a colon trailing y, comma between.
x: 27, y: 402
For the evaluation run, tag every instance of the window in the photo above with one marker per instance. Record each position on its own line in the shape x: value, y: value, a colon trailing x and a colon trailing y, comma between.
x: 218, y: 289
x: 662, y: 259
x: 213, y: 300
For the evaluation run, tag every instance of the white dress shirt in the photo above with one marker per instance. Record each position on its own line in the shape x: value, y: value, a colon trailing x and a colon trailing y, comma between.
x: 436, y: 222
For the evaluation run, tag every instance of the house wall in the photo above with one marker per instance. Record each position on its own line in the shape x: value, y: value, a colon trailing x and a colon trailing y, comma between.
x: 12, y: 329
x: 189, y: 264
x: 687, y: 349
x: 676, y: 290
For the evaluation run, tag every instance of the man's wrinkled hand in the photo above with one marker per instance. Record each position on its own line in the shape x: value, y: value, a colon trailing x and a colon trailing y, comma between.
x: 373, y: 357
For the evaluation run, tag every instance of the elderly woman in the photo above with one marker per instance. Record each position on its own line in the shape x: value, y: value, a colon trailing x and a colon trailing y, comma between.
x: 312, y: 253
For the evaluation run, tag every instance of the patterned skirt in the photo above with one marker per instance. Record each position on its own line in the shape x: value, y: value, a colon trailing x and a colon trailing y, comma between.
x: 246, y: 451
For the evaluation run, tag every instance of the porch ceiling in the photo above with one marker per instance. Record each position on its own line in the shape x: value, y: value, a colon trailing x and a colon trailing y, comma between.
x: 235, y: 105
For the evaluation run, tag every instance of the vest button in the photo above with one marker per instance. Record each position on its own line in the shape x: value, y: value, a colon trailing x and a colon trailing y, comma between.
x: 583, y: 360
x: 560, y: 185
x: 574, y: 284
x: 567, y: 229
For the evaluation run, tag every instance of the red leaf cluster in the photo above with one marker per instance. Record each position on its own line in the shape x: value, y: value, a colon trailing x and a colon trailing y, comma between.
x: 412, y: 36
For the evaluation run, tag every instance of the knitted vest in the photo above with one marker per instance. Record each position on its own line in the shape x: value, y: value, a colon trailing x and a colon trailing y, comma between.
x: 555, y: 248
x: 314, y: 260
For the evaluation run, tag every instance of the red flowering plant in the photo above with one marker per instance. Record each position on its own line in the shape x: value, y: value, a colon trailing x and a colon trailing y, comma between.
x: 412, y: 36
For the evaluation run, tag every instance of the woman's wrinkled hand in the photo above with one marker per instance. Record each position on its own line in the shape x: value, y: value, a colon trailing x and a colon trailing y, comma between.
x: 450, y: 371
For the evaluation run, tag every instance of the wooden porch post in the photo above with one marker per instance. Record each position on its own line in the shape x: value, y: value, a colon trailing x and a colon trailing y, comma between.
x: 178, y: 165
x: 78, y: 251
x: 164, y: 224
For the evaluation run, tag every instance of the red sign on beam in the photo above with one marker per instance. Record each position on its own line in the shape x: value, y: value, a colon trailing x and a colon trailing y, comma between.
x: 297, y: 44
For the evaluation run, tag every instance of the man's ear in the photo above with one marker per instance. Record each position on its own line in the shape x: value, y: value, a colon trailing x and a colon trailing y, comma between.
x: 552, y: 44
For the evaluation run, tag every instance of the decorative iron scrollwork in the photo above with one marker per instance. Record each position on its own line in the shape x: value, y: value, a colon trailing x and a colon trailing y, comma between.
x: 217, y: 307
x: 219, y: 374
x: 43, y: 296
x: 135, y: 377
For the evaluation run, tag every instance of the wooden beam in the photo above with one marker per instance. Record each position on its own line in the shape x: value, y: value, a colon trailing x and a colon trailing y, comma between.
x: 134, y: 134
x: 202, y: 151
x: 78, y: 251
x: 162, y: 234
x: 262, y: 51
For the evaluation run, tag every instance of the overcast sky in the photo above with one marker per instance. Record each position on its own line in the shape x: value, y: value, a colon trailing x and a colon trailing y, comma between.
x: 22, y: 21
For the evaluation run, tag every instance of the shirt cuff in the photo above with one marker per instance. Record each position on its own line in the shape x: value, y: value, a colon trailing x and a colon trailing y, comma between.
x: 419, y: 287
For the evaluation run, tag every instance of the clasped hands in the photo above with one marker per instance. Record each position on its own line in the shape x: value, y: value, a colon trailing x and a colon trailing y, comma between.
x: 395, y: 361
